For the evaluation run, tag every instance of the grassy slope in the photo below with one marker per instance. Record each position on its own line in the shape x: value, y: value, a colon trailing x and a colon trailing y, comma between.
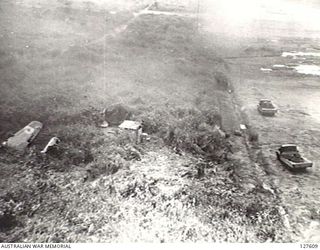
x: 92, y: 189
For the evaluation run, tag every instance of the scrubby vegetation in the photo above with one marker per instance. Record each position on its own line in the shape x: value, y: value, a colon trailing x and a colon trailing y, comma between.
x: 97, y: 185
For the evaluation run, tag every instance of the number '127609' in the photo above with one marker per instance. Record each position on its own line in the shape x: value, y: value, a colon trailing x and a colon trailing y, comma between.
x: 315, y: 246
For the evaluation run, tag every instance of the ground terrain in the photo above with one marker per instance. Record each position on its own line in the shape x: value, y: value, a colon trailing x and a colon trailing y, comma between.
x: 61, y: 63
x: 297, y: 122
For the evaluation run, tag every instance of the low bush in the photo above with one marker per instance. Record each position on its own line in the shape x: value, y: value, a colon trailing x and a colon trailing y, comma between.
x: 195, y: 132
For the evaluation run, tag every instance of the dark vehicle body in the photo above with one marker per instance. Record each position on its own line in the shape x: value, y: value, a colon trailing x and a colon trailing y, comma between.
x: 290, y: 157
x: 266, y: 107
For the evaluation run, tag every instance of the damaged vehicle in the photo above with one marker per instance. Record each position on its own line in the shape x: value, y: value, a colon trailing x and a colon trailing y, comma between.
x: 290, y: 157
x: 21, y: 139
x: 267, y: 108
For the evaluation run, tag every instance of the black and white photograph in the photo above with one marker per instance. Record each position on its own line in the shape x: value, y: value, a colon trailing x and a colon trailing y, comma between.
x: 170, y: 121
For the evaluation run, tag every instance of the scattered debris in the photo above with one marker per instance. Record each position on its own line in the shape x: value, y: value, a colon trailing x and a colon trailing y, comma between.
x: 217, y: 130
x: 24, y: 137
x: 131, y: 125
x: 243, y: 127
x: 53, y: 141
x: 134, y: 128
x: 145, y: 137
x: 105, y: 124
x: 268, y: 188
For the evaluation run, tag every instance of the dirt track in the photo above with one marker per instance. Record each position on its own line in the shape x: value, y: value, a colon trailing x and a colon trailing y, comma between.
x: 293, y: 124
x: 297, y: 96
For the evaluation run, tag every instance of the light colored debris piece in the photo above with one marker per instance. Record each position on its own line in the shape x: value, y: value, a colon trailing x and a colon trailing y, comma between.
x: 105, y: 124
x: 243, y: 127
x: 53, y: 141
x: 131, y: 125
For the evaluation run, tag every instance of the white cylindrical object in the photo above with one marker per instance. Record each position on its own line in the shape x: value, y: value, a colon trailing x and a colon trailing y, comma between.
x: 53, y: 141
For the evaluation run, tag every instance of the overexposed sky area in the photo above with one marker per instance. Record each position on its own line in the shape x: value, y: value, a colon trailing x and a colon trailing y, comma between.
x: 248, y: 16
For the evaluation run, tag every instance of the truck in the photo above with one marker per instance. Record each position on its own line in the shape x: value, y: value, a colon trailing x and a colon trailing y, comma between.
x: 290, y: 157
x: 266, y: 107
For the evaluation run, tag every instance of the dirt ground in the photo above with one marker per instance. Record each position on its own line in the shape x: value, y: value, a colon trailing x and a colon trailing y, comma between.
x: 297, y: 122
x: 61, y: 63
x: 258, y: 44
